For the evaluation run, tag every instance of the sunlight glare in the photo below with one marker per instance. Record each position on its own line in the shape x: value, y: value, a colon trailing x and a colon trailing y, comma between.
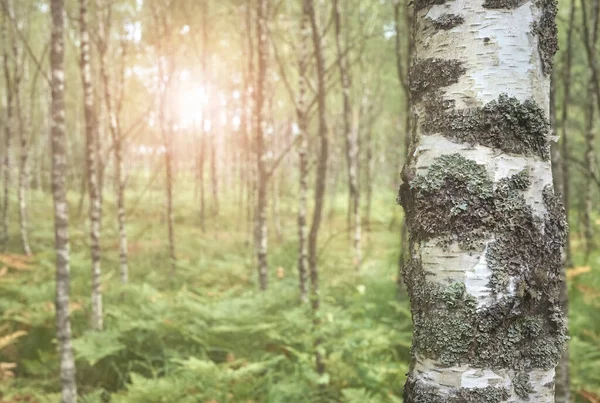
x: 192, y: 104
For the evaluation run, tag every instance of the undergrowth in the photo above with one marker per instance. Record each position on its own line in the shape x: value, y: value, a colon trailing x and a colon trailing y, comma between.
x: 207, y: 335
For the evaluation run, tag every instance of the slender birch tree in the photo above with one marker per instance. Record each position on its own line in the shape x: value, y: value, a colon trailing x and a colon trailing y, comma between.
x: 591, y: 38
x: 321, y: 176
x: 112, y: 110
x: 9, y: 120
x: 302, y: 116
x: 91, y: 135
x: 486, y: 230
x: 59, y: 195
x: 350, y: 133
x: 259, y: 142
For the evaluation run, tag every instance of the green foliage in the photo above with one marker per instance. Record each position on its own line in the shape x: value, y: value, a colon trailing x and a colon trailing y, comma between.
x: 208, y: 334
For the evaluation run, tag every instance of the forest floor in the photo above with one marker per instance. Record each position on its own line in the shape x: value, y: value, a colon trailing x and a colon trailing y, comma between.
x: 205, y: 334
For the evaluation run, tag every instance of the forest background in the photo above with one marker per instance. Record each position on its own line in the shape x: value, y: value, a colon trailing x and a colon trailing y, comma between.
x: 175, y: 293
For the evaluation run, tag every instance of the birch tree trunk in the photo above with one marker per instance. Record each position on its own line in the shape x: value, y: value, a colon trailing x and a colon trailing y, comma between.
x: 301, y: 114
x: 20, y: 70
x: 350, y: 134
x: 590, y: 153
x: 117, y: 143
x: 321, y: 179
x: 260, y: 109
x: 91, y: 134
x: 59, y: 195
x: 566, y: 80
x: 402, y: 70
x: 8, y: 129
x: 563, y: 394
x: 486, y: 229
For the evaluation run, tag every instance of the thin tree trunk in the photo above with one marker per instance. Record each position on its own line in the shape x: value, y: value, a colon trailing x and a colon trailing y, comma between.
x: 261, y: 206
x: 350, y: 135
x: 563, y: 392
x: 61, y: 215
x: 301, y: 114
x: 23, y: 130
x: 402, y: 72
x: 8, y: 130
x: 117, y: 144
x: 91, y: 134
x: 590, y: 155
x: 214, y: 173
x: 321, y: 179
x: 484, y: 290
x: 566, y: 79
x: 201, y: 160
x: 166, y: 128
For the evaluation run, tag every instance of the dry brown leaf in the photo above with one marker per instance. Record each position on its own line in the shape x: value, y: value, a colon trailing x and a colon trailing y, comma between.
x: 588, y: 292
x: 589, y: 396
x: 18, y: 262
x: 6, y: 370
x: 577, y: 271
x: 9, y: 339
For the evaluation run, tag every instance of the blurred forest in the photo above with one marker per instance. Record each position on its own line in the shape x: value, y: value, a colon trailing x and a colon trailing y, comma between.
x: 231, y: 170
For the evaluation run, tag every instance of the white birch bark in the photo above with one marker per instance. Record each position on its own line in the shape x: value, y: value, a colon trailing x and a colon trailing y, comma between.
x: 59, y: 195
x: 91, y: 130
x: 486, y: 229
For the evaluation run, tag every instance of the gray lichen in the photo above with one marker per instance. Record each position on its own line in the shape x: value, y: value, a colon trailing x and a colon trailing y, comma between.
x: 506, y: 124
x: 420, y: 393
x: 448, y: 21
x: 503, y: 4
x: 452, y: 201
x: 455, y: 201
x: 431, y: 74
x: 421, y: 4
x: 547, y: 33
x: 522, y: 385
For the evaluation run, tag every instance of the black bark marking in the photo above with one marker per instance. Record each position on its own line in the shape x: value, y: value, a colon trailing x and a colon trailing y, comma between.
x: 421, y: 4
x: 448, y: 21
x: 547, y: 33
x: 503, y: 4
x: 431, y: 74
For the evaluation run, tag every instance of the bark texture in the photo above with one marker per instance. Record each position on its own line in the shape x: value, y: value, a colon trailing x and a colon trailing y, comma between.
x: 562, y: 393
x: 260, y: 109
x: 321, y: 177
x: 486, y: 230
x: 590, y: 153
x: 301, y: 114
x: 402, y: 70
x: 91, y: 134
x: 59, y: 195
x: 8, y: 129
x: 350, y: 135
x: 117, y: 142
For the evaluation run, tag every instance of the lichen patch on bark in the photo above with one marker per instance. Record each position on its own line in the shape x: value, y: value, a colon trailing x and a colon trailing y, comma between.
x: 503, y: 4
x: 506, y: 124
x: 547, y: 32
x: 423, y: 393
x: 431, y: 74
x: 421, y: 4
x: 456, y: 201
x: 447, y: 21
